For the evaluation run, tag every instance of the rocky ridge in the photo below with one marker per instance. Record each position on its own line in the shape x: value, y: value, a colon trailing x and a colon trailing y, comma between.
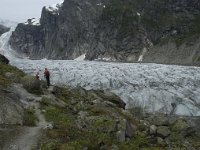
x: 3, y: 29
x: 76, y: 118
x: 114, y: 30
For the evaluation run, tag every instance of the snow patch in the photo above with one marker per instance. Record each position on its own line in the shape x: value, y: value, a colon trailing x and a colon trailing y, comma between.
x: 33, y: 21
x: 100, y: 4
x: 140, y: 59
x: 55, y: 7
x: 80, y: 58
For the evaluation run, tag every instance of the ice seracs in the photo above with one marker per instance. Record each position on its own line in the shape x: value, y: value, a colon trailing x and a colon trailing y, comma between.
x: 54, y: 8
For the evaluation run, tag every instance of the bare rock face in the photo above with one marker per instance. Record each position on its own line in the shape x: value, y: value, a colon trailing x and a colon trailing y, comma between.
x: 11, y: 111
x: 114, y: 30
x: 3, y: 59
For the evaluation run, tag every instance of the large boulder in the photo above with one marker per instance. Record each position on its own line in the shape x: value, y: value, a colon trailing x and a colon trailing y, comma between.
x: 32, y: 85
x: 181, y: 125
x: 3, y: 59
x: 11, y: 111
x: 163, y: 131
x: 111, y: 97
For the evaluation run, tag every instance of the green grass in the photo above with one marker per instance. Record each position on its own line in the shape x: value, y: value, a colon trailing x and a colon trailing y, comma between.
x: 59, y: 116
x: 139, y: 142
x: 8, y: 68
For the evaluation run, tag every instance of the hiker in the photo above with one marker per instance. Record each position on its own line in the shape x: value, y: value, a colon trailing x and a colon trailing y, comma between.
x: 47, y: 76
x: 37, y: 76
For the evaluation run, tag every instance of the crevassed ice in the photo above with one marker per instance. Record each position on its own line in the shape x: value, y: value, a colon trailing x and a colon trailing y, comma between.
x: 154, y: 87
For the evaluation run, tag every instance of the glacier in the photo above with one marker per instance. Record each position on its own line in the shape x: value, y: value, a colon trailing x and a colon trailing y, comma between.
x: 156, y: 88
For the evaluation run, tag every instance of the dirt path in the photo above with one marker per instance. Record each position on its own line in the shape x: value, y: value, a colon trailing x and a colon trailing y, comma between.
x: 29, y: 136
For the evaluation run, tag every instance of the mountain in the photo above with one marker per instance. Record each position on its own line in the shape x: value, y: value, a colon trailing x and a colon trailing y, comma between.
x: 3, y: 29
x: 165, y: 31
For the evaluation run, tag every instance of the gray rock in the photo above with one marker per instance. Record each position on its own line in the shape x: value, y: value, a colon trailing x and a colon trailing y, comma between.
x: 111, y: 97
x: 152, y: 129
x: 160, y: 141
x: 3, y: 59
x: 163, y: 131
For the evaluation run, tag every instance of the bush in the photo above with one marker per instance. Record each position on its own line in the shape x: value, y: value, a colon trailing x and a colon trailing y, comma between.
x: 32, y: 85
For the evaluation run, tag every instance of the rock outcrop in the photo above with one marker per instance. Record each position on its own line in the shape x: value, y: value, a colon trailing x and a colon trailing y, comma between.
x: 114, y: 30
x: 3, y: 59
x: 3, y: 29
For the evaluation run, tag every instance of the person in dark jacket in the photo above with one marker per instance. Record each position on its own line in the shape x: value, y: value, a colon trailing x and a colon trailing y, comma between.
x: 47, y: 76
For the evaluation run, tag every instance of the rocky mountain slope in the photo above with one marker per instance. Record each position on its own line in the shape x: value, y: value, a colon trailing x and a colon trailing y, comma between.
x: 128, y: 31
x: 75, y: 118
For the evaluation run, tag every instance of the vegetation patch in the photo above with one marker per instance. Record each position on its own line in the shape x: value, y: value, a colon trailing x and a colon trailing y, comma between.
x: 59, y: 116
x: 4, y: 81
x: 4, y: 68
x: 30, y: 118
x: 140, y: 141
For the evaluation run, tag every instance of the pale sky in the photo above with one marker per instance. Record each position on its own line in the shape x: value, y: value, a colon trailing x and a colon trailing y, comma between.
x: 21, y: 10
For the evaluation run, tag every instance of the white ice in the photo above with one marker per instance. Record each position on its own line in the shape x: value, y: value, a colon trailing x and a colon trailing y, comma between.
x: 33, y: 21
x: 154, y: 87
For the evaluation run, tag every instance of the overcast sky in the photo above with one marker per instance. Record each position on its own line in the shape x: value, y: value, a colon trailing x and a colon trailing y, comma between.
x: 21, y: 10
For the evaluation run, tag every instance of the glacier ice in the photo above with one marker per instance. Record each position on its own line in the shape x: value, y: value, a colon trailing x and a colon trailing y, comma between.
x: 154, y: 87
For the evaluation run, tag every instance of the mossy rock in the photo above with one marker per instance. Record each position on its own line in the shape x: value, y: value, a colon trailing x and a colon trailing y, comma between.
x: 32, y: 85
x: 163, y: 131
x: 180, y: 125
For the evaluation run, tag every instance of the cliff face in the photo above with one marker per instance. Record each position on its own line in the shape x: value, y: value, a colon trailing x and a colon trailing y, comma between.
x: 114, y: 30
x: 63, y: 33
